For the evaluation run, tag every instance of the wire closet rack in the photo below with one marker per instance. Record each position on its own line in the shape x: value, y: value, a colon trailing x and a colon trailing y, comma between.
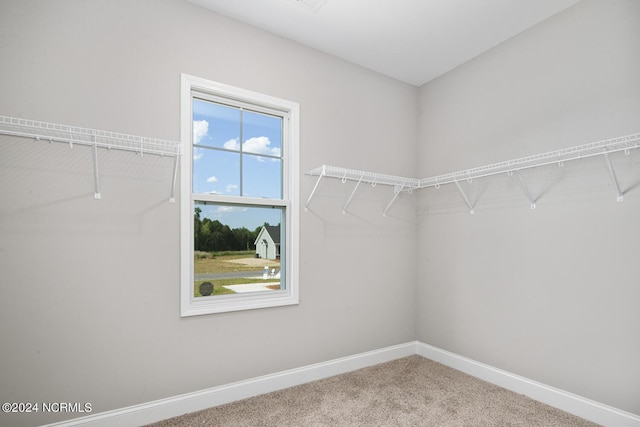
x: 73, y: 135
x: 401, y: 184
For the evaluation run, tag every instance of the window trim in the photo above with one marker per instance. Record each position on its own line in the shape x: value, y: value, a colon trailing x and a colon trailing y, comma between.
x: 189, y: 305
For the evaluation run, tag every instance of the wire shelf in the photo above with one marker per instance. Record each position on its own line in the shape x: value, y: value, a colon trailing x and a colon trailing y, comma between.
x: 372, y: 178
x: 94, y: 138
x: 402, y: 184
x: 598, y: 148
x: 82, y: 136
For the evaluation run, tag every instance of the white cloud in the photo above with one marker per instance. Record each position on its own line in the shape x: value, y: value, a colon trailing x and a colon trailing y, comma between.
x: 197, y: 153
x: 200, y: 130
x: 232, y: 144
x: 255, y: 145
x: 212, y: 179
x: 260, y: 145
x: 231, y: 187
x: 225, y: 209
x: 230, y: 209
x: 222, y: 212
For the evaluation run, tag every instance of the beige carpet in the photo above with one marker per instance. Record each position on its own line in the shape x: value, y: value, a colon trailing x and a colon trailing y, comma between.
x: 413, y: 391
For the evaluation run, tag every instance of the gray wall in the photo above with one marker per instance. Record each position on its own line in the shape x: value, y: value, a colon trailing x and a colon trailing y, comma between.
x: 553, y: 293
x: 89, y: 295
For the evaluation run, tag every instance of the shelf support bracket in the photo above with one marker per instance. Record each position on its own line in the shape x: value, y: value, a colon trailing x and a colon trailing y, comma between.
x: 96, y: 175
x: 172, y: 197
x: 525, y: 188
x: 465, y: 198
x: 612, y: 172
x: 344, y: 208
x: 397, y: 189
x: 315, y: 187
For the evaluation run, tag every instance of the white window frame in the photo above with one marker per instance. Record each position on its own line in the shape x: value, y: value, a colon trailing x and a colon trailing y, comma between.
x: 190, y: 305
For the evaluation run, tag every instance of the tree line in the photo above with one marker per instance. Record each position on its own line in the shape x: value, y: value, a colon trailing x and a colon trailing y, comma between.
x: 213, y: 236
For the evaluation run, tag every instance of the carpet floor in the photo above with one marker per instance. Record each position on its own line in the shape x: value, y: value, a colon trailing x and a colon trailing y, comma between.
x: 412, y: 391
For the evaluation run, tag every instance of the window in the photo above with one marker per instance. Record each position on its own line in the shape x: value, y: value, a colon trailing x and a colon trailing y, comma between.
x: 239, y: 199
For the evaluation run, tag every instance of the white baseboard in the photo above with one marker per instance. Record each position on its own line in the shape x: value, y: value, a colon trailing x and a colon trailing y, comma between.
x: 568, y: 402
x: 178, y: 405
x: 191, y: 402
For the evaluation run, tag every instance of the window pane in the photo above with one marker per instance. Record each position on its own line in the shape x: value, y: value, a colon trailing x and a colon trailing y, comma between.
x: 216, y: 172
x: 262, y: 134
x: 216, y: 125
x: 236, y: 249
x: 261, y: 177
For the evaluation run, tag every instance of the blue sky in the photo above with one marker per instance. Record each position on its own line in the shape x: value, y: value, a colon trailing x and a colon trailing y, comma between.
x: 218, y: 170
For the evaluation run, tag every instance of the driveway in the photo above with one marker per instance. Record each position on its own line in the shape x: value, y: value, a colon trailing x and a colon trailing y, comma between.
x: 230, y: 275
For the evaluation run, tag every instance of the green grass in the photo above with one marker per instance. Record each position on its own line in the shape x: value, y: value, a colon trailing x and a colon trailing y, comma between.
x: 217, y: 262
x: 218, y: 285
x: 232, y: 254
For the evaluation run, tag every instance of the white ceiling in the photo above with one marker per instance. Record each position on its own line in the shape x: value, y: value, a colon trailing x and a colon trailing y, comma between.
x: 411, y: 40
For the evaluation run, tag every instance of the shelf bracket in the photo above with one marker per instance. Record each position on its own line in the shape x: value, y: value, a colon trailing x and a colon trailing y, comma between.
x: 172, y: 197
x: 397, y: 189
x: 526, y: 190
x: 96, y: 176
x: 466, y: 199
x: 612, y: 172
x: 315, y: 187
x: 344, y: 208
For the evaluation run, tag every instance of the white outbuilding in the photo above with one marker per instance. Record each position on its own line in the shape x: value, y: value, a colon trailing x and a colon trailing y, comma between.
x: 268, y: 242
